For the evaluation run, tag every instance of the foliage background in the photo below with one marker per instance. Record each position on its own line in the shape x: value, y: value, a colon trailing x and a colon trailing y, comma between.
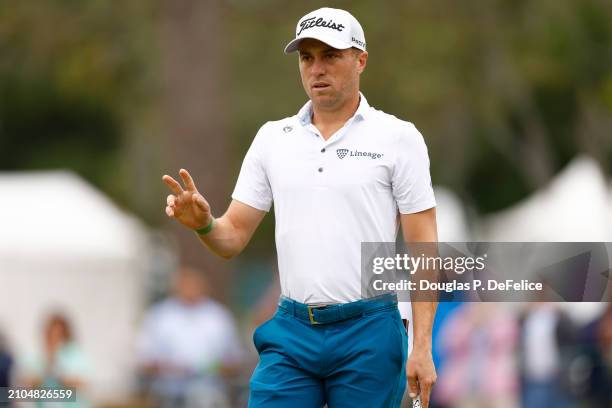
x: 505, y: 92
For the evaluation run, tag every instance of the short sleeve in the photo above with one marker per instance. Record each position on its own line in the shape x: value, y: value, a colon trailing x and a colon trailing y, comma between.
x: 253, y: 187
x: 412, y: 188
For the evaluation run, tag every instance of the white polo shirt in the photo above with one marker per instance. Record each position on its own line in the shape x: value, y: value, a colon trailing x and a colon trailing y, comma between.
x: 331, y: 195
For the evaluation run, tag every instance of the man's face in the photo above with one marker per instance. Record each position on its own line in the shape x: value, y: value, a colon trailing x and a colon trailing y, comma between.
x: 189, y: 286
x: 330, y: 76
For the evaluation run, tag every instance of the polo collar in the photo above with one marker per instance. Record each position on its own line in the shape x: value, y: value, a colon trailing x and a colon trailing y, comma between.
x: 305, y: 113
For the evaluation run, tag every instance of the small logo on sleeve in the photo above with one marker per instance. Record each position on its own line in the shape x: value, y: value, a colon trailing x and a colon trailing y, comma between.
x: 342, y: 153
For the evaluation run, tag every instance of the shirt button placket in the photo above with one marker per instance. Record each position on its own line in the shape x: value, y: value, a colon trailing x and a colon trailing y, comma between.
x: 322, y: 161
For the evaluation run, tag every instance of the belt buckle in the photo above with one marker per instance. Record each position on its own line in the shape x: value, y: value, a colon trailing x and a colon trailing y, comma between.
x: 310, y: 315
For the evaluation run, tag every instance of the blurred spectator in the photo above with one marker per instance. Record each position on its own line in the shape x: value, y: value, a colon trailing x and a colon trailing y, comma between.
x: 604, y: 343
x: 61, y: 363
x: 6, y: 363
x: 547, y: 347
x: 444, y: 311
x: 596, y: 340
x: 187, y: 343
x: 478, y: 341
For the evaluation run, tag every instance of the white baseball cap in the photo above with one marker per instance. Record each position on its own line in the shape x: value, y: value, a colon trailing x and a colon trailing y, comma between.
x: 335, y: 27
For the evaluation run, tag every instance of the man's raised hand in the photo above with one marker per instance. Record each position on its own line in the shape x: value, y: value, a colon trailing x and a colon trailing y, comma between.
x: 187, y: 205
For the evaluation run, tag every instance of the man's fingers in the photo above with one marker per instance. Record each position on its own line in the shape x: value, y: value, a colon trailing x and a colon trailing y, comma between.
x: 169, y: 212
x: 425, y: 386
x: 201, y: 203
x: 189, y: 184
x: 170, y: 200
x: 424, y: 395
x: 413, y: 387
x: 173, y: 184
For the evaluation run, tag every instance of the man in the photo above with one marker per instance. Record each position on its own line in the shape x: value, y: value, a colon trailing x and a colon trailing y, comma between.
x: 339, y: 173
x: 187, y: 343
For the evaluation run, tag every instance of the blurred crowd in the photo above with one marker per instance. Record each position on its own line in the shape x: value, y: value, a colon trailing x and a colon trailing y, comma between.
x: 495, y: 355
x: 190, y: 353
x: 59, y: 363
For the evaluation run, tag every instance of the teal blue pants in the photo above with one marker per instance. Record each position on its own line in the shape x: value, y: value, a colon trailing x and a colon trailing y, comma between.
x: 352, y: 363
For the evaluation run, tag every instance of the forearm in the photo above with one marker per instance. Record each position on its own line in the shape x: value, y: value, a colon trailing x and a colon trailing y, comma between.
x: 425, y: 301
x: 227, y: 235
x: 423, y: 314
x: 421, y: 236
x: 224, y: 240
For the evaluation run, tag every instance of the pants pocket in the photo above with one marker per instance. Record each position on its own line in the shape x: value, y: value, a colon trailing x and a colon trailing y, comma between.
x: 258, y: 334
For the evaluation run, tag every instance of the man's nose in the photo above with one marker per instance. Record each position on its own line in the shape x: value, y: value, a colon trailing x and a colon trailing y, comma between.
x: 318, y: 67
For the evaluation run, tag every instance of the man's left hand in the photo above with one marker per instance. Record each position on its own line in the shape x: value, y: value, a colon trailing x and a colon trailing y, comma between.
x: 421, y: 375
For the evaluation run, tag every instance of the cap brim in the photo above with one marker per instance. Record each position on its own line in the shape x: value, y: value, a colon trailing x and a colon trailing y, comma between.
x: 331, y: 41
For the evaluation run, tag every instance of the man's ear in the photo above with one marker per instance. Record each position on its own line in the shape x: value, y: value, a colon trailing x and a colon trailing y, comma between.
x: 362, y: 60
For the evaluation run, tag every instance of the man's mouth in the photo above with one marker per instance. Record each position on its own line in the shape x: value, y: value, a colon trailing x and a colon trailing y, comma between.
x: 320, y: 85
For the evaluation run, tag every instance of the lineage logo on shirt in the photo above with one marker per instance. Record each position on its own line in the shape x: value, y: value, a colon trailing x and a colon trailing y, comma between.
x: 342, y: 153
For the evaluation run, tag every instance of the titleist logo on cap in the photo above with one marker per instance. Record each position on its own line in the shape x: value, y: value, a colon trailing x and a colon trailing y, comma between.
x: 319, y: 22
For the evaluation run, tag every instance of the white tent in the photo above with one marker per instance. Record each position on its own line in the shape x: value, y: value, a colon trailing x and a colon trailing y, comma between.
x: 64, y: 245
x: 450, y: 216
x: 574, y: 207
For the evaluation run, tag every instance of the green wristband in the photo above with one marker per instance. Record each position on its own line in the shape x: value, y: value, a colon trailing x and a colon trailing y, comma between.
x: 205, y: 230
